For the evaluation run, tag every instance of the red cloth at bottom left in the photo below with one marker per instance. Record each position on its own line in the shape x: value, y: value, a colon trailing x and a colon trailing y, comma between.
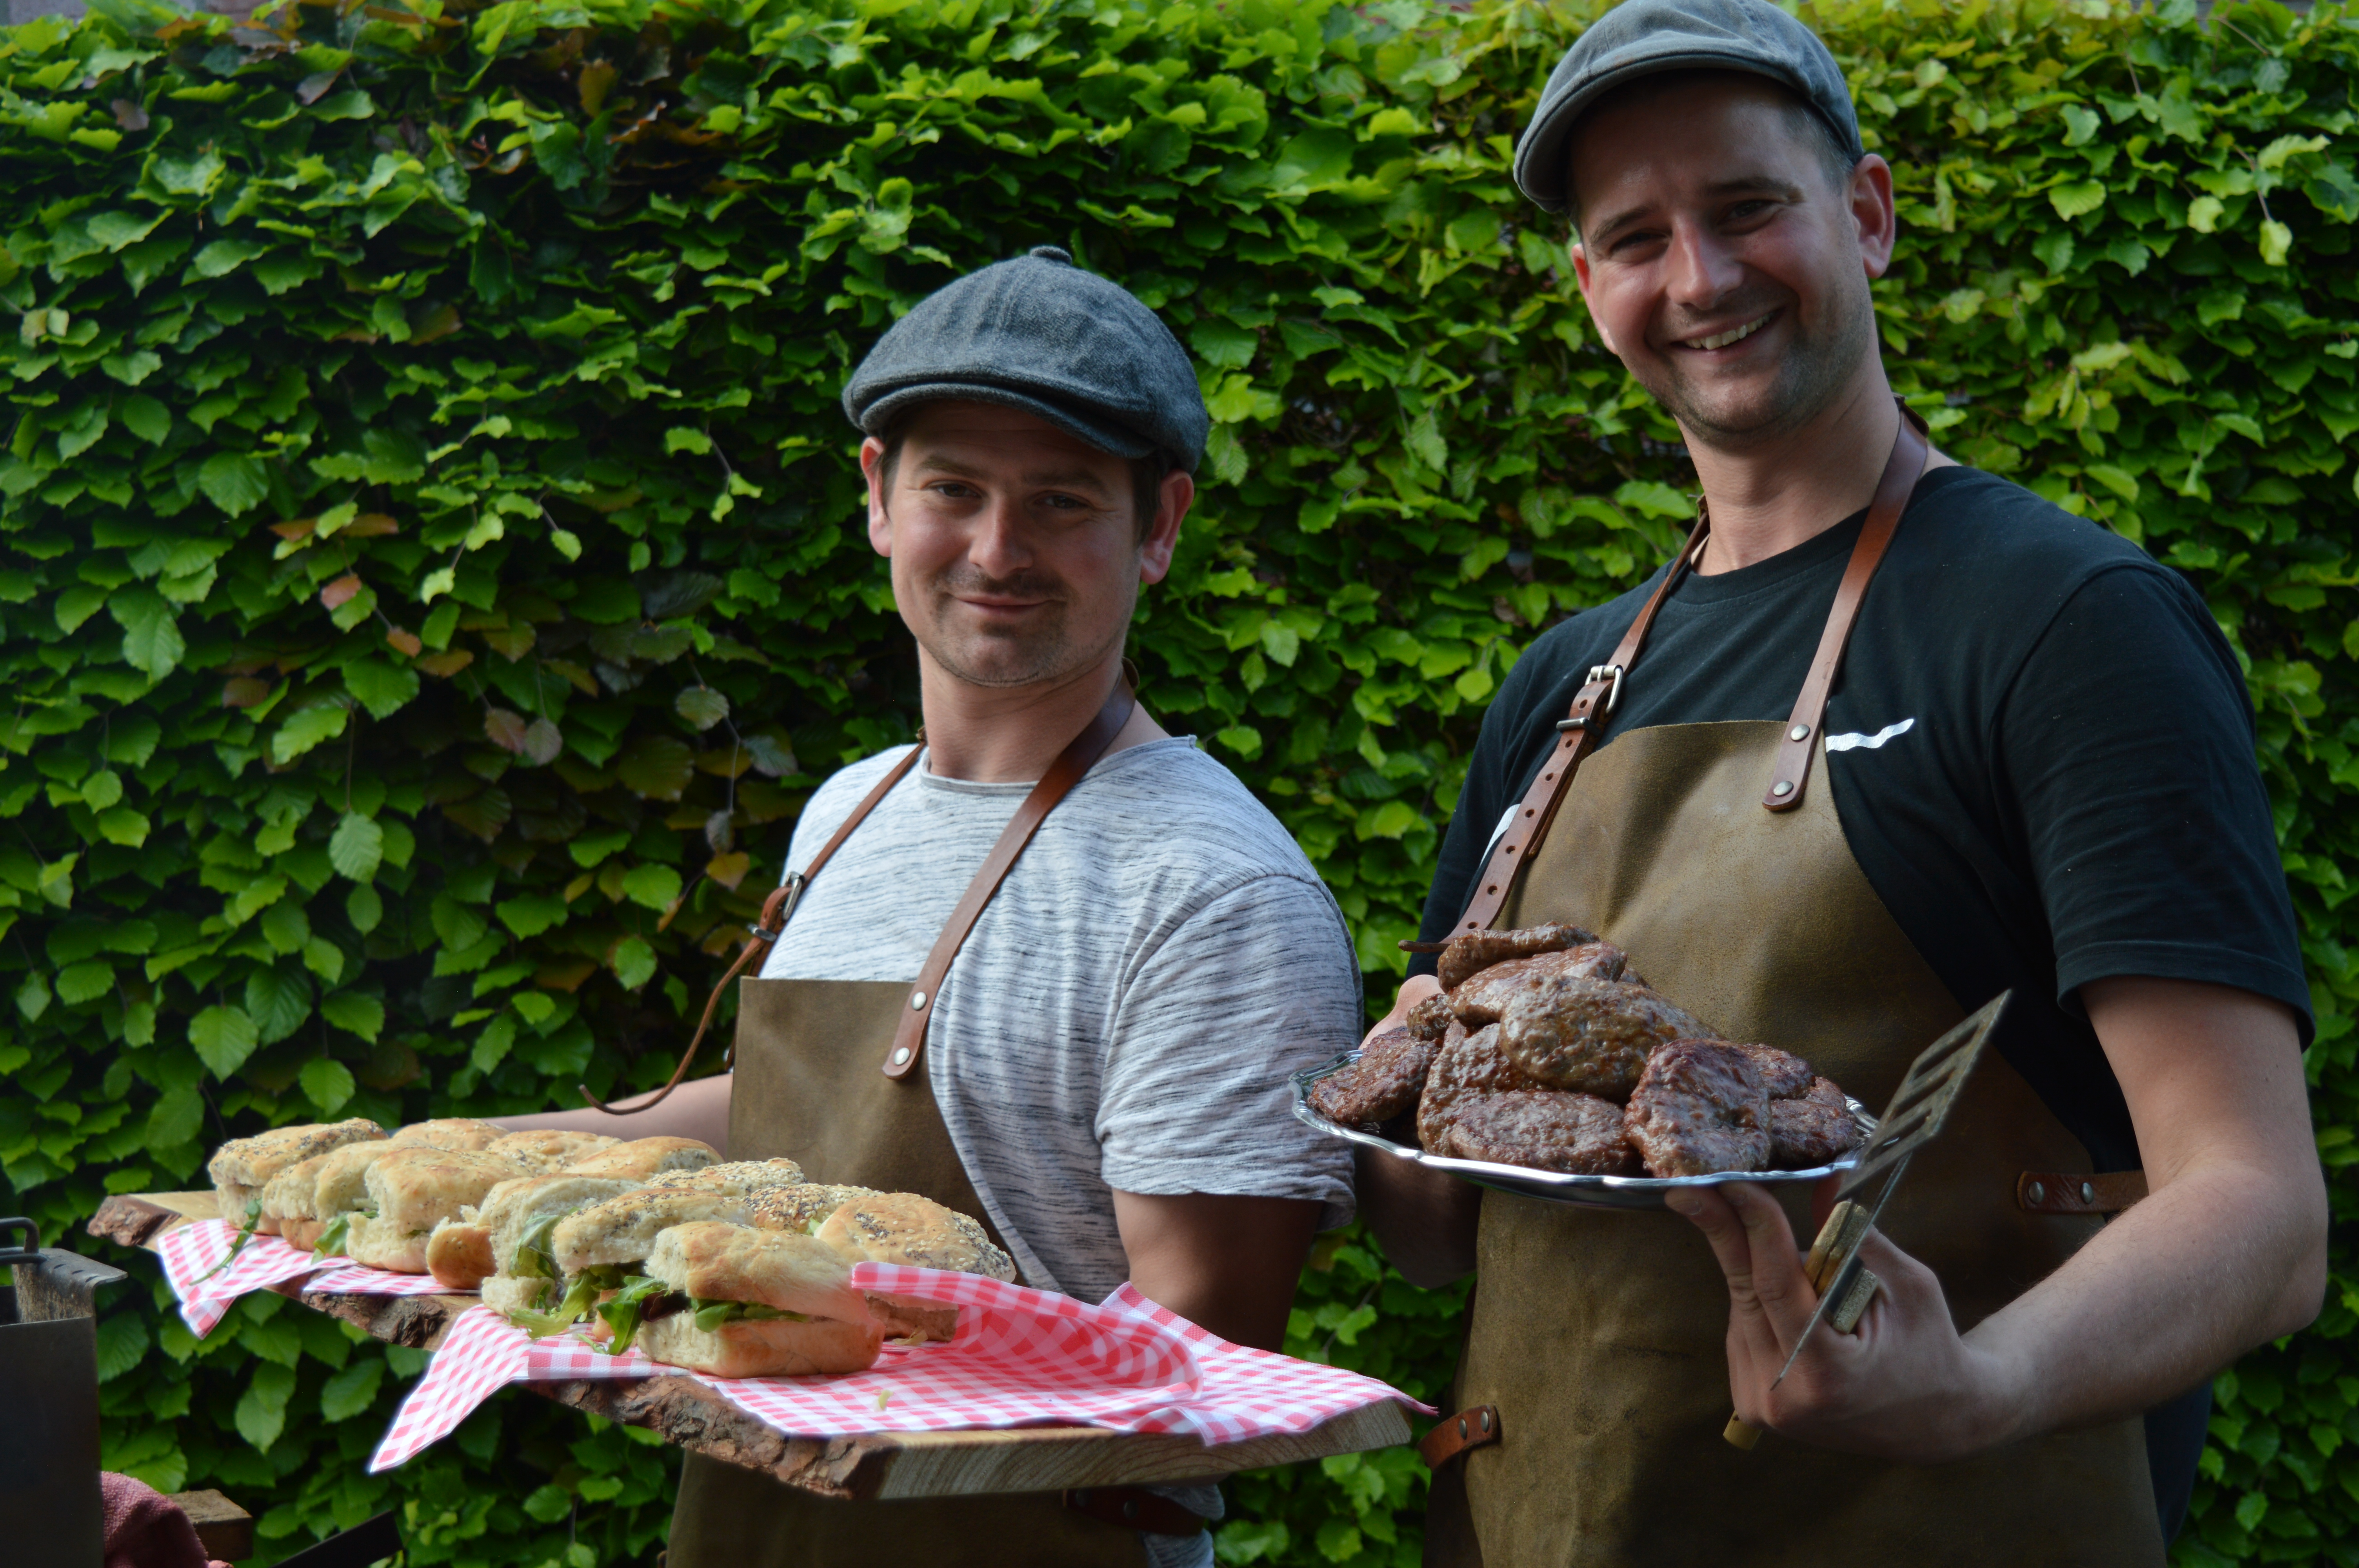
x: 144, y: 1529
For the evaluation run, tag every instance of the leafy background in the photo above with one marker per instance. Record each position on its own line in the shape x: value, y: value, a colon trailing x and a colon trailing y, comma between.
x: 429, y: 578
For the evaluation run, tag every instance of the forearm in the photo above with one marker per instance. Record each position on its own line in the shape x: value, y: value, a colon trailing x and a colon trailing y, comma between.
x: 697, y: 1109
x: 2224, y: 1258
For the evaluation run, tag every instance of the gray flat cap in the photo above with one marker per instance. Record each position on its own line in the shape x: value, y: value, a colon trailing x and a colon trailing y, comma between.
x: 1644, y: 36
x: 1040, y: 335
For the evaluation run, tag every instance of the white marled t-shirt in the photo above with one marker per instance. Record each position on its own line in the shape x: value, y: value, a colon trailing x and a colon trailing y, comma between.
x: 1126, y: 1011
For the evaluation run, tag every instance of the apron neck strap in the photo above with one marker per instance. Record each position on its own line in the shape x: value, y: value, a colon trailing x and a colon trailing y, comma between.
x: 1077, y: 759
x: 1578, y: 732
x: 780, y: 907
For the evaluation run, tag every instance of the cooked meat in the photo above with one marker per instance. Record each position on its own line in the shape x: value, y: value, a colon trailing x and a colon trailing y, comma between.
x: 1469, y: 955
x: 1783, y: 1074
x: 1578, y: 1031
x: 1483, y: 999
x: 1547, y: 1130
x: 1699, y: 1107
x: 1381, y: 1085
x: 1812, y: 1129
x: 1467, y: 1067
x: 1429, y: 1020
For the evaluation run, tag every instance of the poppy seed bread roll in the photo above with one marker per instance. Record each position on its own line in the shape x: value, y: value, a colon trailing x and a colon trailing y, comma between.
x: 241, y: 1167
x: 774, y: 1348
x: 342, y: 1185
x: 459, y: 1253
x: 547, y: 1148
x: 622, y: 1229
x: 469, y: 1134
x: 740, y: 1178
x: 644, y: 1158
x: 287, y: 1197
x: 412, y: 1190
x: 803, y: 1207
x: 714, y: 1261
x: 515, y: 1209
x: 903, y: 1228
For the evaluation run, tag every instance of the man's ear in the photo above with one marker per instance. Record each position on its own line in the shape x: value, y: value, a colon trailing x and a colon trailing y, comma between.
x: 1872, y: 210
x: 880, y: 522
x: 1580, y: 274
x: 1178, y: 493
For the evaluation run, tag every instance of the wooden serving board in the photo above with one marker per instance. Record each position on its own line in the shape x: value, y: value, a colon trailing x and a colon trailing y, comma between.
x: 876, y: 1466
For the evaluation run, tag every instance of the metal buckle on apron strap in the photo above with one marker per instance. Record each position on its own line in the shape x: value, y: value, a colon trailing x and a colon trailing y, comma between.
x: 1136, y: 1508
x: 1610, y: 678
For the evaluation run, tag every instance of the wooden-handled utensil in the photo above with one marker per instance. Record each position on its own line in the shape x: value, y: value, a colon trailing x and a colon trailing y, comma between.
x: 1919, y: 1107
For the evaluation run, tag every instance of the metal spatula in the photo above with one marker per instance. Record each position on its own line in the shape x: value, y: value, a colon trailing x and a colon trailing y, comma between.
x: 1919, y: 1108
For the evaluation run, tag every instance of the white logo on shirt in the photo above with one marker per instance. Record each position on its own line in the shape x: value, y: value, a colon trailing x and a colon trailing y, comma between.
x: 1856, y: 742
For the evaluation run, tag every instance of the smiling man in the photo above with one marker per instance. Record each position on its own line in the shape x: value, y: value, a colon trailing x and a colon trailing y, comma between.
x: 1888, y: 737
x: 1051, y: 967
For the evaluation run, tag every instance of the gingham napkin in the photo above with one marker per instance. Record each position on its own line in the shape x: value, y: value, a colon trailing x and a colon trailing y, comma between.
x: 1022, y: 1357
x: 192, y: 1251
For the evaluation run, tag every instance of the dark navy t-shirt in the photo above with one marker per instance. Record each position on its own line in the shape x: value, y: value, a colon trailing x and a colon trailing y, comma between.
x: 2041, y: 753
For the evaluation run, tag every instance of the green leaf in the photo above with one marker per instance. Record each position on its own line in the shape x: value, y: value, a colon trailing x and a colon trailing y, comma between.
x: 122, y: 1341
x: 356, y: 1012
x: 634, y: 962
x: 364, y: 908
x: 151, y: 636
x: 305, y: 729
x: 2082, y: 196
x: 535, y: 913
x: 701, y: 706
x: 176, y: 1115
x: 223, y: 1038
x: 385, y: 689
x: 261, y: 1414
x: 278, y: 1000
x: 326, y: 1084
x: 234, y: 481
x: 146, y: 417
x: 357, y: 847
x: 351, y: 1391
x: 654, y: 886
x: 224, y: 256
x: 656, y: 766
x: 286, y: 927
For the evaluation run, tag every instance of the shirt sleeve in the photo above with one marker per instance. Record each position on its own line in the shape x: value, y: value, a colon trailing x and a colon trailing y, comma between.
x: 1259, y: 984
x: 2125, y: 744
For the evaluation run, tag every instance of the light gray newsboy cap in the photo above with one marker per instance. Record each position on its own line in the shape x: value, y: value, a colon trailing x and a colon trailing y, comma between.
x: 1040, y: 335
x: 1644, y: 36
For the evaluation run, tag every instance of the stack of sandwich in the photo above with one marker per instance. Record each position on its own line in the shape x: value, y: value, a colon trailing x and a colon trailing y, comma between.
x: 739, y: 1269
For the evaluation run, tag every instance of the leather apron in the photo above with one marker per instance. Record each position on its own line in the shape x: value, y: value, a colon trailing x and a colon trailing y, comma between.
x: 1600, y: 1336
x: 808, y: 1086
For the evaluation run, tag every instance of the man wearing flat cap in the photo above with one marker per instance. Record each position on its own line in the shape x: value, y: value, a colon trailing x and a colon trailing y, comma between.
x: 1051, y: 967
x: 1888, y: 738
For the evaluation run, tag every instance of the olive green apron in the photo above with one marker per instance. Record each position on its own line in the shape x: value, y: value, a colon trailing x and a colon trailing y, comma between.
x: 808, y: 1086
x: 1601, y: 1334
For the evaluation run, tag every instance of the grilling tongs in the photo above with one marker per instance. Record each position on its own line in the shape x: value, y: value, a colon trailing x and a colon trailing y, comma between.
x: 1919, y: 1107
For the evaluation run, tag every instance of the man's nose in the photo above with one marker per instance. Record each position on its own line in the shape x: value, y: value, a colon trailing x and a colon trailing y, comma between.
x: 1703, y: 267
x: 999, y: 546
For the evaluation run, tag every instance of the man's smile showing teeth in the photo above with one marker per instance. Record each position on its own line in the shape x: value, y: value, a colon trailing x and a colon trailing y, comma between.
x: 1734, y: 335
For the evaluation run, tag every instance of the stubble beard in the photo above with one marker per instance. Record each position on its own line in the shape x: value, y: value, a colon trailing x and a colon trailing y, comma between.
x: 1813, y: 375
x: 1051, y: 649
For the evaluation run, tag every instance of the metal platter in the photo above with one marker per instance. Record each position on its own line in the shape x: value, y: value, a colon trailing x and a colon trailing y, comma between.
x: 1557, y: 1186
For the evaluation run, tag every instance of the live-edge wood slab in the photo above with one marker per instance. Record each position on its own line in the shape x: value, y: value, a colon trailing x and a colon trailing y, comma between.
x: 876, y: 1466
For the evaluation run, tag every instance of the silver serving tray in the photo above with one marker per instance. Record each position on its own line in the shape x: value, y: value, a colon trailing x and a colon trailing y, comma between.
x: 1559, y: 1186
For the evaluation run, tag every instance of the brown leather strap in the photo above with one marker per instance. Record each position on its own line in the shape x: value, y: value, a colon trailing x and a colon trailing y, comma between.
x: 2070, y: 1192
x: 1791, y: 775
x: 909, y: 1039
x: 1453, y: 1436
x: 777, y: 910
x: 1135, y: 1508
x: 1577, y: 736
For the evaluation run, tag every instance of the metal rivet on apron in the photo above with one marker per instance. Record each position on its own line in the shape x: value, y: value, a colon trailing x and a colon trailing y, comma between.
x: 1461, y: 1426
x: 917, y: 1000
x: 1798, y: 732
x: 1487, y: 1420
x: 1783, y: 788
x: 901, y: 1057
x: 2088, y: 1193
x: 1130, y: 1508
x: 2038, y: 1193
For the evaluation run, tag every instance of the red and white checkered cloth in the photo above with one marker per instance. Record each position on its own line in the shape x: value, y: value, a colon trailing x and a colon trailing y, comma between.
x: 192, y: 1251
x: 1022, y: 1357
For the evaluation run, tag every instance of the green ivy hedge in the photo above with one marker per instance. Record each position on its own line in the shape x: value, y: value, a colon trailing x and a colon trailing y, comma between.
x: 430, y: 578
